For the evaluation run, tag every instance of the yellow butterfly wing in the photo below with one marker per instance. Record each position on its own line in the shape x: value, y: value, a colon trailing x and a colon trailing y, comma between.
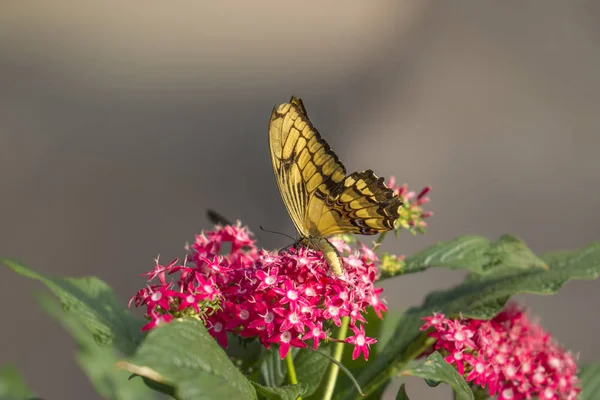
x: 303, y: 162
x: 320, y: 198
x: 362, y: 204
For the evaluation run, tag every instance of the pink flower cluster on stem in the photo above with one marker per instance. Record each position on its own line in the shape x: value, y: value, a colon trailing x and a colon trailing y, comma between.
x: 510, y: 355
x: 286, y: 299
x: 412, y: 215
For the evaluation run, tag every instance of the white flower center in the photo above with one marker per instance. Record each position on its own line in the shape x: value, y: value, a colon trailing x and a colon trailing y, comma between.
x: 480, y: 368
x: 244, y: 314
x: 218, y: 327
x: 292, y: 295
x: 508, y: 394
x: 555, y: 363
x: 270, y: 280
x: 510, y: 371
x: 269, y: 317
x: 286, y: 337
x: 360, y: 340
x: 190, y: 299
x: 539, y: 377
x: 303, y: 261
x: 156, y: 296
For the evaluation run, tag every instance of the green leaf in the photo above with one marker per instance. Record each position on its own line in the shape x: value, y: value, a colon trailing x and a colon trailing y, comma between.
x: 273, y: 370
x: 12, y: 386
x: 311, y: 367
x: 182, y: 354
x: 480, y: 296
x: 246, y: 354
x: 95, y: 305
x: 476, y: 254
x: 291, y: 392
x: 401, y: 395
x: 436, y: 369
x: 483, y: 296
x: 386, y: 331
x: 98, y: 362
x: 590, y: 381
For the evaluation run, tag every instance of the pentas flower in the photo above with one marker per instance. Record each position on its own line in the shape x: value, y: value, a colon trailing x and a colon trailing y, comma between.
x: 412, y: 217
x: 361, y: 342
x: 288, y: 298
x: 509, y: 355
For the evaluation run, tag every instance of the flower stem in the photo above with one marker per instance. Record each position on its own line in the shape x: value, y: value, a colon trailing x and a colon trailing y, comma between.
x: 338, y: 350
x: 380, y: 238
x: 289, y: 362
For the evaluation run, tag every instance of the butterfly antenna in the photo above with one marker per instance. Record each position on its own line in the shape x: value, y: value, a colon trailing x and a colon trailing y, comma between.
x: 278, y: 233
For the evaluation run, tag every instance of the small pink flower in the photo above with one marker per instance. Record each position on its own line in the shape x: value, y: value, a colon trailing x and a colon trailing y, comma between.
x: 481, y: 370
x: 160, y: 297
x: 368, y: 254
x: 435, y: 321
x: 268, y: 279
x: 377, y: 303
x: 157, y: 320
x: 361, y: 342
x: 457, y: 357
x: 460, y: 334
x: 340, y: 245
x: 285, y: 340
x: 190, y: 300
x: 217, y: 330
x: 160, y: 271
x: 315, y: 332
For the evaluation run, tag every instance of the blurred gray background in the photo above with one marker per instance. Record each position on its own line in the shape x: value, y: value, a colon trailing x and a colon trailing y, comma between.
x: 122, y: 122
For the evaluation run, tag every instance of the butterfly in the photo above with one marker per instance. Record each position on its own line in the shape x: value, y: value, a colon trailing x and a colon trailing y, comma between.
x: 320, y: 199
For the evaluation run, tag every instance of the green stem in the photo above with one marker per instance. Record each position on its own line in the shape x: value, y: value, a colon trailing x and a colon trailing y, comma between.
x: 338, y: 350
x: 380, y: 238
x: 289, y: 362
x: 414, y: 350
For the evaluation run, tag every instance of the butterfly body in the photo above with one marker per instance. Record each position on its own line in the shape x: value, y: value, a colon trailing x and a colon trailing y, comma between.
x: 330, y: 253
x: 321, y: 200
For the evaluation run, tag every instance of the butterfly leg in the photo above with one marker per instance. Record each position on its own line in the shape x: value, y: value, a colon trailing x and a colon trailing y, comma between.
x: 287, y: 248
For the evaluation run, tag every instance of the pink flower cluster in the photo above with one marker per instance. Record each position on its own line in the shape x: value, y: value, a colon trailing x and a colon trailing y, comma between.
x: 412, y: 216
x: 286, y: 299
x: 510, y: 355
